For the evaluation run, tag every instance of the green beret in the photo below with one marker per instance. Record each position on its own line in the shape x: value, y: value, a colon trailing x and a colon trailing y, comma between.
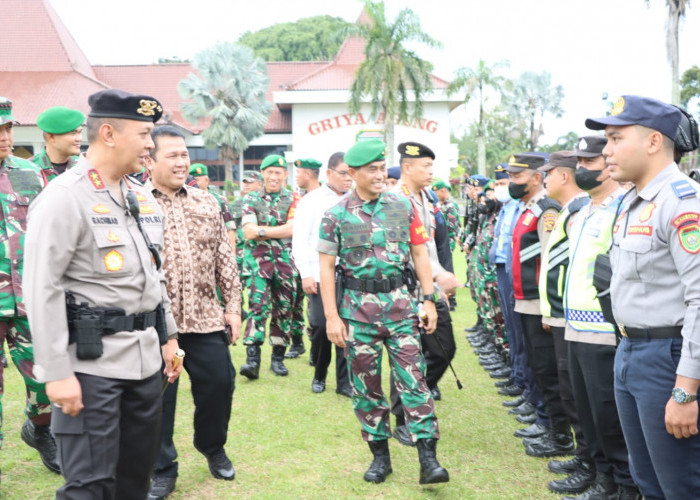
x: 5, y: 111
x: 273, y: 161
x: 60, y: 120
x: 364, y: 152
x: 309, y: 163
x: 439, y: 184
x: 198, y: 170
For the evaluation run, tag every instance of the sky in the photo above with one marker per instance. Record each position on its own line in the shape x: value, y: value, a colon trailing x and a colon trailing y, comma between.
x: 590, y: 47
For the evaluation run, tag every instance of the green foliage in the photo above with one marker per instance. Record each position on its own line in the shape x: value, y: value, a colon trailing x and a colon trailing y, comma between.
x: 229, y: 91
x: 690, y: 85
x: 566, y: 142
x: 315, y: 38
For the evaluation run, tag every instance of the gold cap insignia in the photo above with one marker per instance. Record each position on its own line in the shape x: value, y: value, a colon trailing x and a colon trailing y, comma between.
x: 582, y: 145
x: 412, y: 150
x: 511, y: 159
x: 618, y: 107
x: 281, y: 162
x: 147, y: 107
x: 199, y: 170
x: 298, y: 163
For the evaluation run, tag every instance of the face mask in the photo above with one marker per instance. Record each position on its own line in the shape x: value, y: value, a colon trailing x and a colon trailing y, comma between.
x: 501, y: 193
x: 587, y: 179
x: 517, y: 191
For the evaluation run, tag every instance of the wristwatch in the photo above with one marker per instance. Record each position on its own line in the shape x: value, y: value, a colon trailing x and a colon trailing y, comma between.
x: 432, y: 297
x: 261, y: 233
x: 681, y: 396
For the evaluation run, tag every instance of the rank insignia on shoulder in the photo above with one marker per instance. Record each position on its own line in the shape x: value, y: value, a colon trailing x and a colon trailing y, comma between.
x: 683, y: 189
x: 95, y: 178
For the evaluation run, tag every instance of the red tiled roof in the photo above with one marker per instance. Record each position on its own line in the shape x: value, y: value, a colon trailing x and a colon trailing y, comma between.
x: 34, y: 91
x: 35, y: 38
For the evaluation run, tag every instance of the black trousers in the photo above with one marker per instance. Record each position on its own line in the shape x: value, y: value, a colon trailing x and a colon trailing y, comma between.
x: 437, y: 361
x: 107, y: 451
x: 212, y: 378
x: 591, y: 367
x: 566, y: 392
x: 541, y: 356
x: 321, y: 347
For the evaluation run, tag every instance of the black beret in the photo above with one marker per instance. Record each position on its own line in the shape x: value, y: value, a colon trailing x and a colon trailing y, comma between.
x: 415, y: 150
x: 115, y: 103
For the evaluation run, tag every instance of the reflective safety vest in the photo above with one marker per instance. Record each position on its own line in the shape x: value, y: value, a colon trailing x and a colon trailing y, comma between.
x: 527, y: 249
x: 555, y: 258
x: 590, y: 236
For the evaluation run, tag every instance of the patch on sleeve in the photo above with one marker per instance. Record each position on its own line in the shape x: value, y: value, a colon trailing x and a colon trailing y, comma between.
x: 685, y: 218
x: 683, y: 189
x: 689, y: 236
x: 549, y: 219
x: 418, y: 233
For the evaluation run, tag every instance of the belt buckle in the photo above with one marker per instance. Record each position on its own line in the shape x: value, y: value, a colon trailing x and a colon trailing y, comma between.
x: 622, y: 329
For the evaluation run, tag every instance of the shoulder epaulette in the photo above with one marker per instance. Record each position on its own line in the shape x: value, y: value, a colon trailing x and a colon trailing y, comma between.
x: 683, y: 189
x: 544, y: 204
x: 578, y: 204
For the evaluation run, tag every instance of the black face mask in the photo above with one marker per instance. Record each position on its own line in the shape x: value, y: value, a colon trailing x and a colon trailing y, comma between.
x: 587, y: 179
x: 517, y: 191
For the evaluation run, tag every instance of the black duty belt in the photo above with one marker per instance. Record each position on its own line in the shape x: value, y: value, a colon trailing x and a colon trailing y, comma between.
x: 384, y: 285
x: 128, y: 323
x: 666, y: 332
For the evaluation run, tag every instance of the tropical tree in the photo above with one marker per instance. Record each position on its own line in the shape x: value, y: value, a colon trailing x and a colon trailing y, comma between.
x: 676, y: 11
x: 315, y: 38
x: 530, y: 98
x: 478, y: 80
x: 690, y: 85
x: 393, y: 77
x: 228, y: 94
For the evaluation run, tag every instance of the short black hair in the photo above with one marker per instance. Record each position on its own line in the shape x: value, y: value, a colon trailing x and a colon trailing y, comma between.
x: 336, y: 159
x: 93, y: 125
x: 166, y: 131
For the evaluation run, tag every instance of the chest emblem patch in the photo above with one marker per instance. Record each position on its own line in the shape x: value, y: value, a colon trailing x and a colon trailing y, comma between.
x: 646, y: 212
x: 100, y: 209
x: 146, y: 209
x: 113, y: 237
x: 114, y: 261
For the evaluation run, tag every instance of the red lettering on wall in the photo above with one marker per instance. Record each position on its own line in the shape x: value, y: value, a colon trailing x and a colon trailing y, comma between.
x: 346, y: 120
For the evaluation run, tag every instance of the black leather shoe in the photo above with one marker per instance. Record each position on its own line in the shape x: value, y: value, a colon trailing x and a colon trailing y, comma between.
x: 40, y: 438
x: 436, y: 394
x: 553, y: 445
x: 251, y: 368
x: 514, y: 403
x: 524, y: 409
x: 318, y: 386
x: 578, y: 482
x: 533, y: 431
x: 486, y: 348
x: 431, y: 471
x: 603, y: 488
x: 297, y: 348
x: 497, y: 366
x: 502, y: 373
x: 220, y: 466
x: 503, y: 383
x: 380, y: 467
x: 161, y: 487
x: 527, y: 419
x: 277, y: 361
x: 475, y: 327
x: 511, y: 390
x: 344, y: 391
x: 565, y: 466
x: 402, y: 435
x: 627, y: 493
x: 490, y: 359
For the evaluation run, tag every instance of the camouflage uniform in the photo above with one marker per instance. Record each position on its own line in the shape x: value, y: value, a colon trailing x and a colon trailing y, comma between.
x: 451, y: 211
x: 225, y: 211
x: 273, y: 279
x: 47, y: 169
x: 298, y: 321
x: 371, y: 240
x: 20, y: 182
x: 243, y: 255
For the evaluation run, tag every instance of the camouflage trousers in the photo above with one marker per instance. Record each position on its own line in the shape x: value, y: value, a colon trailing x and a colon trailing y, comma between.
x: 363, y: 351
x: 16, y: 331
x: 271, y: 297
x: 490, y: 308
x: 298, y: 321
x: 471, y: 278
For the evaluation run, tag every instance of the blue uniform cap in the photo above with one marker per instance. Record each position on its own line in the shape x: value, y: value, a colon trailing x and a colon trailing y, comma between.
x: 394, y: 173
x: 637, y: 110
x: 500, y: 171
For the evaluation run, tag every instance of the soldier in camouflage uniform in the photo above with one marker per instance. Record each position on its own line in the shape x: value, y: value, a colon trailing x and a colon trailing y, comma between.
x: 373, y: 234
x: 20, y: 182
x: 251, y: 182
x: 267, y: 217
x: 63, y: 133
x: 450, y: 209
x: 201, y: 174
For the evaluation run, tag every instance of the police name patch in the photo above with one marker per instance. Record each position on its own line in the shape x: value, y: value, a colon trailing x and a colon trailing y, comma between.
x: 643, y: 230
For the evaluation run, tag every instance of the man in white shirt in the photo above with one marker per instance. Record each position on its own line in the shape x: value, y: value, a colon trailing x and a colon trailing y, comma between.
x: 307, y: 222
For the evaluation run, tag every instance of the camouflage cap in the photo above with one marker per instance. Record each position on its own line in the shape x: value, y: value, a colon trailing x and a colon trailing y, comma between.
x: 309, y: 163
x: 439, y: 184
x: 60, y: 120
x: 6, y: 111
x: 199, y: 170
x: 273, y: 161
x: 252, y: 176
x: 364, y: 152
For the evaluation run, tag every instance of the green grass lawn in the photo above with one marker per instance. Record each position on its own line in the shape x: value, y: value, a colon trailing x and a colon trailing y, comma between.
x: 287, y: 442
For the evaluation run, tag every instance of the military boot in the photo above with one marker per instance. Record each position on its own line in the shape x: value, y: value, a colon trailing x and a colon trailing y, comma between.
x: 277, y: 363
x: 297, y: 347
x: 430, y: 469
x: 380, y: 467
x: 251, y: 368
x: 40, y: 438
x: 603, y: 487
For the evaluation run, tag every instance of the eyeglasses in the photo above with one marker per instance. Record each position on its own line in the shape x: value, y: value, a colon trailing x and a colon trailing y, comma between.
x: 341, y: 173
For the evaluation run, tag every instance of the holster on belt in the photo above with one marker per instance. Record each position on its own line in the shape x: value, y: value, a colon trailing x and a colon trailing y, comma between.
x: 410, y: 278
x: 161, y: 326
x: 339, y: 286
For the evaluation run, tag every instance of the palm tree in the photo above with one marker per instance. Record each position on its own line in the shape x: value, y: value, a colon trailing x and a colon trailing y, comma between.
x: 478, y: 79
x: 676, y: 11
x: 228, y: 91
x: 393, y: 77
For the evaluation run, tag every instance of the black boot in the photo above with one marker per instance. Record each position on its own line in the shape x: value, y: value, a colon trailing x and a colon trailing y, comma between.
x: 251, y: 368
x: 277, y: 363
x: 297, y: 347
x: 380, y: 467
x: 603, y: 487
x: 39, y: 437
x: 577, y: 482
x: 625, y: 492
x: 554, y: 444
x: 430, y: 469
